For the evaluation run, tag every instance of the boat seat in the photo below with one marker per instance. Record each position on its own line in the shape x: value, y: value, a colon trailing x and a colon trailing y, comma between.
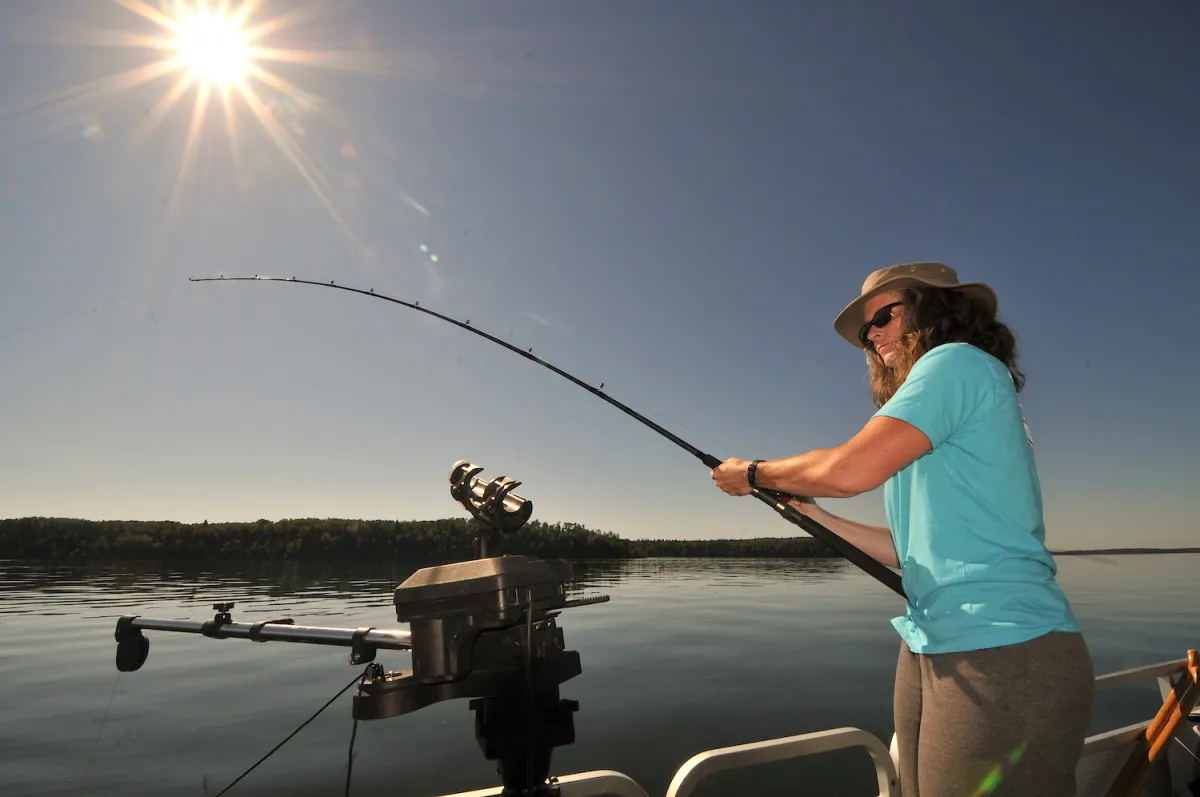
x: 1105, y: 754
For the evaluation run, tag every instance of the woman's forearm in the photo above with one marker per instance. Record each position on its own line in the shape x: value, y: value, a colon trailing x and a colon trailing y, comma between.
x: 875, y: 541
x: 814, y: 473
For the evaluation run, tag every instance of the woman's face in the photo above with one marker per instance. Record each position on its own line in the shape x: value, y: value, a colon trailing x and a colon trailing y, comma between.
x: 887, y: 328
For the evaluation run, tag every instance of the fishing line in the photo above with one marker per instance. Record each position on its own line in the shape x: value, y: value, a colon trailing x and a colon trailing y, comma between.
x: 93, y: 308
x: 92, y: 757
x: 776, y: 500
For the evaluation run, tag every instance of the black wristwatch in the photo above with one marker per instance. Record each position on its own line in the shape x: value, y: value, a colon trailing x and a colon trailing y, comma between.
x: 751, y: 471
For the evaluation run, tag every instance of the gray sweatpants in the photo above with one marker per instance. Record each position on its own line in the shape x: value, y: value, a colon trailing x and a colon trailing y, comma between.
x: 1003, y: 721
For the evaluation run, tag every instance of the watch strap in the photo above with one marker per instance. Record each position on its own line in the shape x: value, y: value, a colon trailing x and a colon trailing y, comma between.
x: 752, y: 472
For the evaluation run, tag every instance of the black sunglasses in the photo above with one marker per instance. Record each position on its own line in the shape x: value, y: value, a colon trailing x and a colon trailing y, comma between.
x: 882, y: 317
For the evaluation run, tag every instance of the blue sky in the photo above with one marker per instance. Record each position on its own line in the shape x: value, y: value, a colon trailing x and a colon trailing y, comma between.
x: 673, y: 199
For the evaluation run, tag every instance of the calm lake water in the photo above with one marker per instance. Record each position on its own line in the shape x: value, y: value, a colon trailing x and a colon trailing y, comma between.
x: 689, y: 654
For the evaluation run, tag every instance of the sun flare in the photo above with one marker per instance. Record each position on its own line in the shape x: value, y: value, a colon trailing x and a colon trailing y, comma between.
x: 214, y: 47
x: 215, y: 58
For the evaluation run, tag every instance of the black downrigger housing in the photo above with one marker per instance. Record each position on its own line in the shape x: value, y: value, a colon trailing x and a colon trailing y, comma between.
x: 482, y: 629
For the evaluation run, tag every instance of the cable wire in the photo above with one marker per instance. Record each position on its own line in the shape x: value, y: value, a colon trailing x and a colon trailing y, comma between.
x: 329, y: 703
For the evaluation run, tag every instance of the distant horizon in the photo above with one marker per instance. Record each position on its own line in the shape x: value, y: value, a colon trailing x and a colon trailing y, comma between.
x: 1123, y: 551
x: 461, y: 518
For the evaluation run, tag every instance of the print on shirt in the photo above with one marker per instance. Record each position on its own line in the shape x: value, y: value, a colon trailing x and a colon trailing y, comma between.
x: 1025, y: 423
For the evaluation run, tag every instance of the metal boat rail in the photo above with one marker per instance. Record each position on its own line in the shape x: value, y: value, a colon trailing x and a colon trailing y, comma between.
x: 1104, y: 755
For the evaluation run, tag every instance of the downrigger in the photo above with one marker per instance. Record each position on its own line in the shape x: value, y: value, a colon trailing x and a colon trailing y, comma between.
x: 484, y: 629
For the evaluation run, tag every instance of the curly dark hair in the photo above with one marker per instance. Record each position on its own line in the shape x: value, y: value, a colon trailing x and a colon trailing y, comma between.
x: 934, y: 316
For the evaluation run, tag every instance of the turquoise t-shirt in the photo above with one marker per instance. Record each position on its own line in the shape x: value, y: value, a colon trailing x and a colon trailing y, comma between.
x: 966, y: 517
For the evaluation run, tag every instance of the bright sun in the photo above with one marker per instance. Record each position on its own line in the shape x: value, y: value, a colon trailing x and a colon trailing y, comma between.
x: 213, y: 46
x: 218, y: 53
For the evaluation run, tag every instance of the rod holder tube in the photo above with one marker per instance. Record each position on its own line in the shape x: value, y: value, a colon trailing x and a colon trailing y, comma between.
x: 384, y: 639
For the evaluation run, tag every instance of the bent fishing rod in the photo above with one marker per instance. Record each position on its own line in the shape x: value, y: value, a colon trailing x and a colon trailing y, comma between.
x: 778, y: 501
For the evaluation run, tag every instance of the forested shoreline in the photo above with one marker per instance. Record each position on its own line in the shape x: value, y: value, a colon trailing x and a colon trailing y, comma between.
x: 312, y: 539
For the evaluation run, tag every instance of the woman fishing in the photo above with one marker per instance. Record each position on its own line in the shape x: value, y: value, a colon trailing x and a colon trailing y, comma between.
x: 994, y: 682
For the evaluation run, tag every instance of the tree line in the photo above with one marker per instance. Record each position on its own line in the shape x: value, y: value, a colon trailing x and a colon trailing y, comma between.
x: 445, y: 540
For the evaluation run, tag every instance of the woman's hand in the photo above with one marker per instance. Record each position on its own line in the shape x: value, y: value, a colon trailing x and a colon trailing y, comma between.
x: 806, y: 506
x: 730, y: 476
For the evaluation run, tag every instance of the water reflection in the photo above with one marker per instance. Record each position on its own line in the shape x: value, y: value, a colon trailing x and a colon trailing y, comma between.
x: 747, y: 573
x: 58, y: 586
x: 689, y: 654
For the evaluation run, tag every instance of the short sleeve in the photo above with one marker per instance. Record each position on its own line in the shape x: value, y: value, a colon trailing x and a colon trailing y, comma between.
x: 946, y: 388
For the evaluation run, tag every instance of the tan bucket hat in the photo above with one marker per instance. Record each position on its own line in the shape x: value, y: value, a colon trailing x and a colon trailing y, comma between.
x: 905, y: 275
